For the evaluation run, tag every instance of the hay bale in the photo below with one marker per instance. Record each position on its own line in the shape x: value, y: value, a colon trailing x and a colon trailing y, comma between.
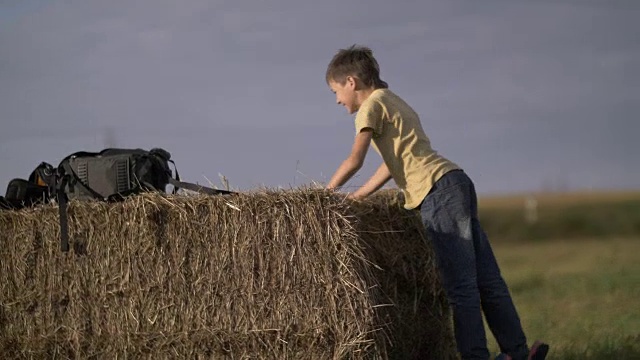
x: 265, y: 275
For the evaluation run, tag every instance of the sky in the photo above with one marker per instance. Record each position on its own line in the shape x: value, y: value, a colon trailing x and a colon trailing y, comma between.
x: 524, y: 95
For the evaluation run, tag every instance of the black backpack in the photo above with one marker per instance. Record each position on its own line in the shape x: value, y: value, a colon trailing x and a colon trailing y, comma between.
x: 36, y: 190
x: 108, y: 175
x: 113, y: 174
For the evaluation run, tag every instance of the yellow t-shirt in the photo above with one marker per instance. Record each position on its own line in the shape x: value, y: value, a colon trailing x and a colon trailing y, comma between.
x: 403, y: 145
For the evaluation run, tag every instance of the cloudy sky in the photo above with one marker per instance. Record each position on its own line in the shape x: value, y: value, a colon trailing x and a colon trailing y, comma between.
x: 525, y: 95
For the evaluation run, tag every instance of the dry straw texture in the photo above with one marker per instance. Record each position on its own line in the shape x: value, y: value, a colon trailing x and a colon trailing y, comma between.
x: 299, y: 274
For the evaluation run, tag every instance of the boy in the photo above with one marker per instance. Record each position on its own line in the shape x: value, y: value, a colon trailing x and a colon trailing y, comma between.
x: 443, y: 194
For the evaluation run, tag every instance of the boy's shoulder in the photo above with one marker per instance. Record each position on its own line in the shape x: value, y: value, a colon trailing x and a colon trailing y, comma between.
x: 385, y: 96
x: 382, y: 94
x: 389, y: 100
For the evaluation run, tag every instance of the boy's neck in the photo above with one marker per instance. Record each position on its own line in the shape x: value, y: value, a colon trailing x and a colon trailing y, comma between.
x: 364, y: 94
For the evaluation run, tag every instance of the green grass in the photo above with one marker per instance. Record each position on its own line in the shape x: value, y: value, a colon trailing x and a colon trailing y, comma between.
x: 563, y: 216
x: 583, y: 297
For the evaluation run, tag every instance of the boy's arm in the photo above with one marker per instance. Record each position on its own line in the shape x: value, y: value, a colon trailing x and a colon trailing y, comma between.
x: 378, y: 179
x: 355, y: 160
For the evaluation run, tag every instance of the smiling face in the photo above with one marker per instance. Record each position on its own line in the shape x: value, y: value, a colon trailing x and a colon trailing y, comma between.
x: 346, y: 94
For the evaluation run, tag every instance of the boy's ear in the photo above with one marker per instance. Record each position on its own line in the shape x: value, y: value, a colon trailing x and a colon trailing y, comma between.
x: 351, y: 82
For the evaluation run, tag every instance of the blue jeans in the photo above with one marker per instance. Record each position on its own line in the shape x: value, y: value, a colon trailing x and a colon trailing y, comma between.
x: 469, y: 271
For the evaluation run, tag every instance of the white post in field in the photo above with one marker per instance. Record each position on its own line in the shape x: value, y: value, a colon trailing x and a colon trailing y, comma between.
x: 531, y: 210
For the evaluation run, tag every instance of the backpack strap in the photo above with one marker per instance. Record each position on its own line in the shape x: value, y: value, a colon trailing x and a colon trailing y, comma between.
x: 177, y: 184
x: 62, y: 212
x: 64, y: 174
x: 197, y: 188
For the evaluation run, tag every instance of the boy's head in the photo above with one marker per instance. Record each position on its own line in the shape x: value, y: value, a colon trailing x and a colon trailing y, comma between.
x: 358, y: 62
x: 351, y: 70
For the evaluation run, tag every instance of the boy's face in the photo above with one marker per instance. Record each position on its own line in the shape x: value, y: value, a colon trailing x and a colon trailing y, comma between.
x: 346, y: 94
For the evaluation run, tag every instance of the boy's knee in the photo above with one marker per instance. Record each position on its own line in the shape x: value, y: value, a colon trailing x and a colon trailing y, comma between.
x: 463, y: 293
x: 494, y: 287
x: 464, y: 229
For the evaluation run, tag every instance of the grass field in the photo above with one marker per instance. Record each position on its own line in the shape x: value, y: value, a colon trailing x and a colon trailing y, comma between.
x: 583, y: 297
x: 575, y: 273
x: 551, y: 199
x: 563, y: 216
